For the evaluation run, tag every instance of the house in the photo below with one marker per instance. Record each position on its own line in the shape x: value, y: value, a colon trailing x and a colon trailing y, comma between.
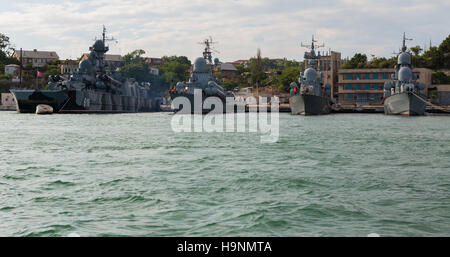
x: 228, y: 71
x: 113, y: 61
x: 154, y: 71
x: 69, y: 67
x: 35, y: 58
x: 154, y: 61
x: 13, y: 70
x: 240, y: 62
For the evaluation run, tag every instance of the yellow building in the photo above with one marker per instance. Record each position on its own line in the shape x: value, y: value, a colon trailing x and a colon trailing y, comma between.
x: 35, y: 58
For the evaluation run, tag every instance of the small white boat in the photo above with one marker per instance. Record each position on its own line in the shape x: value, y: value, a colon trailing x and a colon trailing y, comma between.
x: 44, y: 109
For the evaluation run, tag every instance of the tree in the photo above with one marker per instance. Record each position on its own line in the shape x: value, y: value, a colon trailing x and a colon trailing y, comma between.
x: 230, y: 85
x: 135, y: 66
x: 134, y: 57
x: 357, y: 61
x: 416, y: 50
x: 256, y: 67
x: 5, y: 53
x: 178, y: 59
x: 289, y: 75
x: 439, y: 77
x: 444, y: 49
x: 175, y: 69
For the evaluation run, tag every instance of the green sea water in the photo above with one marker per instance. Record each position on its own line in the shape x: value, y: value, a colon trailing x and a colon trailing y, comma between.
x: 131, y: 175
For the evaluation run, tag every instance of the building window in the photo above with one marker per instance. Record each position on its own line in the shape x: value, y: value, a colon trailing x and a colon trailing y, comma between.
x: 349, y: 76
x: 349, y: 96
x: 358, y: 87
x: 375, y: 76
x: 349, y: 87
x: 358, y: 76
x: 367, y: 87
x: 375, y: 97
x: 375, y: 87
x: 367, y: 76
x: 385, y: 76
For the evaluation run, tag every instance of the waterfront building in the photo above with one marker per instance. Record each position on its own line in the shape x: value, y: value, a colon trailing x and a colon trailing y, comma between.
x: 68, y: 67
x: 227, y: 71
x: 443, y: 94
x: 329, y: 64
x: 13, y: 70
x: 240, y: 62
x: 113, y: 61
x: 364, y: 87
x: 36, y: 58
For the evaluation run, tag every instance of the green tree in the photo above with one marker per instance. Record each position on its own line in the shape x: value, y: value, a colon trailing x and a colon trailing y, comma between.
x: 289, y: 75
x: 175, y: 69
x: 439, y: 77
x: 178, y: 59
x: 230, y: 85
x: 358, y: 61
x: 416, y: 50
x: 135, y: 66
x: 444, y: 49
x: 256, y: 68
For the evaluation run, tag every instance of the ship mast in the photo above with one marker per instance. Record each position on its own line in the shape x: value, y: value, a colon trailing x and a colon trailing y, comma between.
x: 207, y: 55
x: 312, y: 54
x: 404, y: 43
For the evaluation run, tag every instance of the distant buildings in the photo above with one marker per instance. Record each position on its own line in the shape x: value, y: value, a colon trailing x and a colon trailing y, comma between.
x: 227, y: 71
x: 35, y: 58
x: 152, y: 62
x: 442, y: 94
x: 329, y: 63
x: 113, y: 61
x: 240, y: 62
x: 13, y: 70
x: 353, y: 88
x: 365, y: 87
x: 68, y: 67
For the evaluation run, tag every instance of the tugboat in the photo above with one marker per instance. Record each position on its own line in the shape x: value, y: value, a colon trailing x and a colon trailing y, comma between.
x: 311, y: 97
x: 92, y: 89
x: 402, y: 95
x: 202, y: 85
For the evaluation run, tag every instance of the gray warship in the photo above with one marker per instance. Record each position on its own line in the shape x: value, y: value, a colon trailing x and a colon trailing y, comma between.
x: 93, y: 89
x: 311, y: 97
x: 202, y: 81
x: 402, y: 95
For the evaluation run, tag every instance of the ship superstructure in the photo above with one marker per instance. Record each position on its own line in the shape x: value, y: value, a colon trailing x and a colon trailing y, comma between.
x: 92, y: 89
x: 402, y: 95
x: 310, y: 96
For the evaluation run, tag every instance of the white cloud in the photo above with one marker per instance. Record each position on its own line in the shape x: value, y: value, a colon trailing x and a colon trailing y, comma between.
x: 168, y: 27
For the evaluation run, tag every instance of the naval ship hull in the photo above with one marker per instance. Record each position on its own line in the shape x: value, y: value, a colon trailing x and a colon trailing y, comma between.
x: 192, y: 110
x: 406, y: 103
x: 81, y: 101
x: 309, y: 105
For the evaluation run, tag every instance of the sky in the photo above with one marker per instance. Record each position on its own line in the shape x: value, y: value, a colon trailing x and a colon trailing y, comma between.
x: 240, y: 27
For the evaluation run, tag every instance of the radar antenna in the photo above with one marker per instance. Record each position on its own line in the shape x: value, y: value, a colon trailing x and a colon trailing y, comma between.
x: 312, y: 46
x: 207, y: 53
x: 404, y: 48
x: 312, y: 54
x: 105, y: 38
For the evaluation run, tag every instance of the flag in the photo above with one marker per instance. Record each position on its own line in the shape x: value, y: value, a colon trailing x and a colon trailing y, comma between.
x: 408, y: 38
x: 39, y: 74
